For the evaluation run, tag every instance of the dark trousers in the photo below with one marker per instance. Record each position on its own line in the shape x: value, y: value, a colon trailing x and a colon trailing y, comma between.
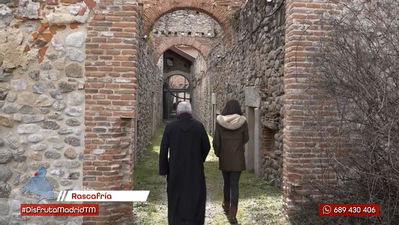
x: 230, y: 187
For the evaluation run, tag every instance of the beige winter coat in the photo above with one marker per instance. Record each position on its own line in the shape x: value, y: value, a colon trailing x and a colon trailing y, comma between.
x: 231, y: 134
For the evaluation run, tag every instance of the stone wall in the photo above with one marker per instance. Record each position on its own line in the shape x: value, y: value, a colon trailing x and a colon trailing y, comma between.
x: 220, y: 10
x: 72, y: 96
x: 187, y: 23
x: 255, y: 60
x: 149, y: 96
x: 201, y: 92
x: 41, y: 104
x: 186, y: 27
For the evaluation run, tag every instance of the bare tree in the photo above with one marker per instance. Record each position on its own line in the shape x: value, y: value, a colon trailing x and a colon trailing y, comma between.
x: 358, y: 68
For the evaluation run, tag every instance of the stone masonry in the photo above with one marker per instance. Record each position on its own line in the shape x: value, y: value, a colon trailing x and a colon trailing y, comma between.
x: 149, y: 95
x: 219, y: 10
x: 187, y: 22
x: 255, y: 60
x: 69, y: 96
x: 185, y: 27
x: 80, y: 91
x: 42, y: 103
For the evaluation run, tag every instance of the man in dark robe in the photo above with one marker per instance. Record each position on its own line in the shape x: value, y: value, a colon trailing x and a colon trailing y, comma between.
x: 187, y: 143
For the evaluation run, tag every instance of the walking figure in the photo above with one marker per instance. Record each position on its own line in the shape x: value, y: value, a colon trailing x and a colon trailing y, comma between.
x: 187, y: 143
x: 231, y: 134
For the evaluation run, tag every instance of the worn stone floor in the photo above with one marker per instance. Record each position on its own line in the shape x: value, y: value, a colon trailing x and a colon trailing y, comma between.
x: 259, y: 202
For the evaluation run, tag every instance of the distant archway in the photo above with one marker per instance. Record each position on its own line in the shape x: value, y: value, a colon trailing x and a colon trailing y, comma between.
x: 220, y: 10
x: 178, y: 81
x: 201, y: 44
x: 176, y: 88
x: 177, y: 72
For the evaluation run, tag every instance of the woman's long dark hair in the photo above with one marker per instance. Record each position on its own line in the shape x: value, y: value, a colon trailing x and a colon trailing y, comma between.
x: 232, y: 107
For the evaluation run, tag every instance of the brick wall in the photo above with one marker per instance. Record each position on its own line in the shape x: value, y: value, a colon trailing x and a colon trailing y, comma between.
x: 305, y: 139
x: 111, y: 88
x: 111, y: 84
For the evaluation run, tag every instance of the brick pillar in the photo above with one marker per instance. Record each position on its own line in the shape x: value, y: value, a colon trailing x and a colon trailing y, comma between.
x: 110, y: 103
x: 304, y: 110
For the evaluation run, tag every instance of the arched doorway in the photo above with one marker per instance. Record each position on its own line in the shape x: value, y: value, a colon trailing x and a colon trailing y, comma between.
x: 177, y: 67
x: 176, y: 88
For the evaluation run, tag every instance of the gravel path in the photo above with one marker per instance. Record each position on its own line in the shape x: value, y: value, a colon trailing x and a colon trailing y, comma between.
x: 259, y: 202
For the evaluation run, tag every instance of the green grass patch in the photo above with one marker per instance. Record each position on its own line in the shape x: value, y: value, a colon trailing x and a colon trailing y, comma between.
x: 259, y: 203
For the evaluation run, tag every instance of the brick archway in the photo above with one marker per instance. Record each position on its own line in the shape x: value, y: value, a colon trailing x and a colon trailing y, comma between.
x: 178, y: 72
x: 220, y: 10
x: 201, y: 44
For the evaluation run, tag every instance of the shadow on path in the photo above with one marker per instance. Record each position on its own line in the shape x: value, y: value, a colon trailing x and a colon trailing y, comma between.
x: 259, y: 202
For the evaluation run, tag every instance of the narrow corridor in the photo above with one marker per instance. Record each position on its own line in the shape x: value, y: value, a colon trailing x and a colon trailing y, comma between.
x: 259, y: 202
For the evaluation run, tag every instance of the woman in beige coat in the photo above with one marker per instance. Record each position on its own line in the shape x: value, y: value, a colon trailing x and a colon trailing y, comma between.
x: 231, y: 134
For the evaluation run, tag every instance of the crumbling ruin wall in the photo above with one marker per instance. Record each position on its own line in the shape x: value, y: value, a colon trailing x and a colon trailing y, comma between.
x: 149, y: 96
x: 256, y: 60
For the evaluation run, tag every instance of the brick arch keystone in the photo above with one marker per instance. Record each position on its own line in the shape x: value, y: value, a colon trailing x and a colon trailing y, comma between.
x: 201, y: 44
x: 219, y: 10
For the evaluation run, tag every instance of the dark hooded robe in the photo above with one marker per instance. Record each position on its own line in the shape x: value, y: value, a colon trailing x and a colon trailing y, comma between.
x: 187, y: 143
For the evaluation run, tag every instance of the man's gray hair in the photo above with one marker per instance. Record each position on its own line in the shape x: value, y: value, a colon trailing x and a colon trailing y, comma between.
x: 184, y: 107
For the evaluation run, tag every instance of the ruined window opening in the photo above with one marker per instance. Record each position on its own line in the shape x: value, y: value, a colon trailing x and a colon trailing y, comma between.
x: 268, y: 141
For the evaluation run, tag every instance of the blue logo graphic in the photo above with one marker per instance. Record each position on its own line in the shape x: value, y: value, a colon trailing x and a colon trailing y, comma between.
x: 39, y: 185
